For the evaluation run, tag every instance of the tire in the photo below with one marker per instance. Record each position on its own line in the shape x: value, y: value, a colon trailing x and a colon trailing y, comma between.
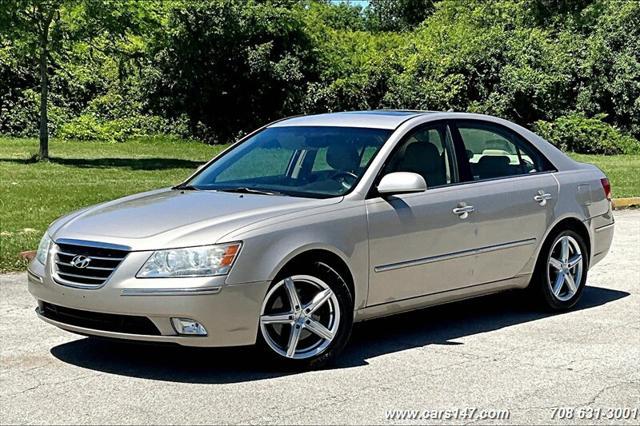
x: 550, y: 283
x: 281, y: 320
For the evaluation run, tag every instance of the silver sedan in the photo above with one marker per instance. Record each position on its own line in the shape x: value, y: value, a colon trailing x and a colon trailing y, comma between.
x: 312, y: 223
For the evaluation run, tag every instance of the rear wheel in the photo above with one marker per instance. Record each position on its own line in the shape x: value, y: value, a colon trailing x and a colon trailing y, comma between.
x: 306, y: 316
x: 561, y: 272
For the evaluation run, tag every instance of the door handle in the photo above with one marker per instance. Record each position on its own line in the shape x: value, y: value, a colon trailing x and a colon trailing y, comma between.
x: 542, y: 197
x: 463, y: 211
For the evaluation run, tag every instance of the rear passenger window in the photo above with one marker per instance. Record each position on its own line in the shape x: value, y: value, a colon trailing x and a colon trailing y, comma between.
x: 493, y: 152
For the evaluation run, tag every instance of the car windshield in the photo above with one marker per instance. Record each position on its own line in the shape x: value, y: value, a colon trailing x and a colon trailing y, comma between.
x: 304, y: 161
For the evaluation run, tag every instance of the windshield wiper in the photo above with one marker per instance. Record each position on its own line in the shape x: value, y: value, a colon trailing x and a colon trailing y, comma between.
x: 185, y: 187
x: 247, y: 190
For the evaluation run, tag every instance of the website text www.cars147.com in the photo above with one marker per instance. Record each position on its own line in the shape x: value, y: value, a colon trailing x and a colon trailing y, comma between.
x: 469, y: 413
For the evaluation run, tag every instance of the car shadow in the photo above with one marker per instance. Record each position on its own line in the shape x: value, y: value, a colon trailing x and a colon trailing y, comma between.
x: 125, y: 163
x: 433, y: 326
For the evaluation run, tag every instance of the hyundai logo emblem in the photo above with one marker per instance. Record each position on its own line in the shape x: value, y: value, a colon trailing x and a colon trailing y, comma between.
x: 80, y: 261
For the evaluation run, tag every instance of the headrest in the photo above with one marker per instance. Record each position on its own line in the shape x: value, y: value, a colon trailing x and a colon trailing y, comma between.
x: 497, y: 161
x: 422, y: 156
x: 343, y: 157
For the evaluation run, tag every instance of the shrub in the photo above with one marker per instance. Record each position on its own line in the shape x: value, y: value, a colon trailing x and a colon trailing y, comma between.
x: 578, y: 133
x: 19, y: 117
x: 89, y: 126
x: 484, y: 57
x: 230, y: 66
x: 610, y: 71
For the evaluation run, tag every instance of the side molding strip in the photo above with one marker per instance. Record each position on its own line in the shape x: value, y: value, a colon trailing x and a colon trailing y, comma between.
x: 439, y: 258
x: 170, y: 291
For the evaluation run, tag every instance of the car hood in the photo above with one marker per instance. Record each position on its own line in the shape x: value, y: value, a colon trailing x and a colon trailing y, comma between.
x: 170, y: 218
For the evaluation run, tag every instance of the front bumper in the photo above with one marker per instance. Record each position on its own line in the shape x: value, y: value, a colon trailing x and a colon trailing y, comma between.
x: 230, y: 313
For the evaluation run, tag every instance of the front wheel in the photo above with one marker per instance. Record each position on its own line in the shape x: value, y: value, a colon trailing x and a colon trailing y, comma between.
x: 306, y: 316
x: 561, y: 272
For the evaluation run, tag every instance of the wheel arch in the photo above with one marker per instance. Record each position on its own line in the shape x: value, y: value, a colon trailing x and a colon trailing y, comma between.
x: 573, y: 223
x: 335, y: 260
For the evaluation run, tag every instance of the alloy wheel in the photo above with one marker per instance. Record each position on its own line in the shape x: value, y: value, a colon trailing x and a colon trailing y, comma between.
x: 300, y: 317
x: 565, y: 268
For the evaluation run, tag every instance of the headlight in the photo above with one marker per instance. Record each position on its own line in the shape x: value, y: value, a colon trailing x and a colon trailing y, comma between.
x: 43, y: 248
x: 202, y: 261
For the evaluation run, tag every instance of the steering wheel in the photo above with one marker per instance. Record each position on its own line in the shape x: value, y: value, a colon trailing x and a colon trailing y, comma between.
x: 342, y: 176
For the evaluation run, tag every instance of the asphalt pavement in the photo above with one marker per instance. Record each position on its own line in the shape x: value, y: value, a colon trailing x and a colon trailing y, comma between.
x: 490, y: 355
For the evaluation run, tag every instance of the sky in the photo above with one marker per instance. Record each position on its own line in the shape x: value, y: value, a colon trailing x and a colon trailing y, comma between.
x: 362, y: 3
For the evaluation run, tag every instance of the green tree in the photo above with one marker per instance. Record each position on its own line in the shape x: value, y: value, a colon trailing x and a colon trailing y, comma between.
x: 609, y: 73
x: 398, y: 15
x: 43, y: 30
x: 30, y: 21
x: 230, y: 66
x: 486, y: 57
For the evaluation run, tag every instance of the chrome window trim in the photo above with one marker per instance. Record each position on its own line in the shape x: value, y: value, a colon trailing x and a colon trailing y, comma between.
x: 449, y: 256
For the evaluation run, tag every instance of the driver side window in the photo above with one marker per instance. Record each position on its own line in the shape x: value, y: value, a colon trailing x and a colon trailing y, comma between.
x: 426, y: 152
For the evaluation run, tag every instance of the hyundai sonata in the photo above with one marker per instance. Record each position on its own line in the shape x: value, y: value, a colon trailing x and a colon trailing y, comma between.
x: 312, y: 223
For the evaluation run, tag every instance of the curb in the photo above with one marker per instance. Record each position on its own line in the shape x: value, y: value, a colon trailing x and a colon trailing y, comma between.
x: 625, y: 203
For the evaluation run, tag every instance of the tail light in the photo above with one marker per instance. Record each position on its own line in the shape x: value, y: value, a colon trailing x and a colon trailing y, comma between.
x: 607, y: 188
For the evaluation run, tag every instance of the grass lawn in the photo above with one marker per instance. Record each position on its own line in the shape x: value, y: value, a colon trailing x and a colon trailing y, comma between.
x: 85, y: 173
x: 80, y: 174
x: 623, y: 172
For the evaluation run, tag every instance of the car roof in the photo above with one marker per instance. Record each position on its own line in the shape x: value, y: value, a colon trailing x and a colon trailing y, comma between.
x: 378, y: 119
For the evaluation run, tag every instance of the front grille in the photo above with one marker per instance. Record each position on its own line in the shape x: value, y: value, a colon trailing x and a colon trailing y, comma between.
x: 102, y: 263
x: 98, y: 321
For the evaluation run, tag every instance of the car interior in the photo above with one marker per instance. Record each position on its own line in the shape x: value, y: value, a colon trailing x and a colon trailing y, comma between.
x: 325, y: 162
x: 328, y: 162
x: 423, y: 153
x: 492, y: 156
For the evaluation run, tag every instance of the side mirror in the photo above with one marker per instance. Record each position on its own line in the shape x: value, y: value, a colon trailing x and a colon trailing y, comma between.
x: 401, y: 183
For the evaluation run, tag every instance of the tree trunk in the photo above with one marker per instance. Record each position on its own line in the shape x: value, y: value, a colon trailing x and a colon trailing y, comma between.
x: 44, y: 95
x: 44, y: 85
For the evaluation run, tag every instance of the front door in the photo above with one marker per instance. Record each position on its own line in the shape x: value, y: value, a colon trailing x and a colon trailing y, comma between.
x: 414, y: 238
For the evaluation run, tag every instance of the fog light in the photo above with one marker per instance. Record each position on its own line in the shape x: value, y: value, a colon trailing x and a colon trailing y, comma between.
x: 188, y: 326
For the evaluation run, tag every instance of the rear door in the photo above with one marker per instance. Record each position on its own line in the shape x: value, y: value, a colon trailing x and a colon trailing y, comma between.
x: 513, y: 199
